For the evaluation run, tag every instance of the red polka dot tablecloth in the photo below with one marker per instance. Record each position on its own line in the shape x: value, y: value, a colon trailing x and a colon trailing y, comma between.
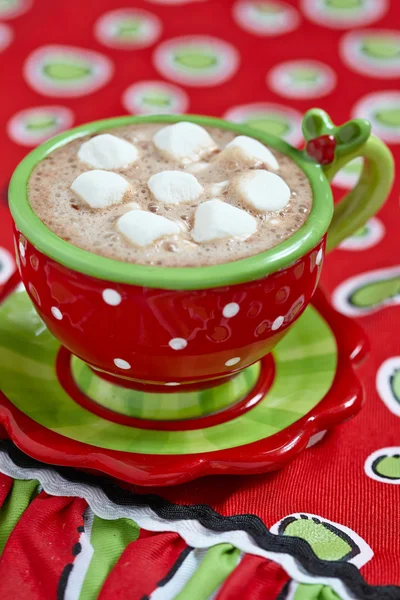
x: 328, y: 525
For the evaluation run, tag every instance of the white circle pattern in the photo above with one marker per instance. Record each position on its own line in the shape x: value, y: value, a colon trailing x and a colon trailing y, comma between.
x: 111, y: 297
x: 224, y: 60
x: 230, y: 310
x: 56, y: 312
x: 148, y: 28
x: 277, y: 323
x: 177, y: 343
x: 282, y: 79
x: 121, y: 363
x: 232, y: 361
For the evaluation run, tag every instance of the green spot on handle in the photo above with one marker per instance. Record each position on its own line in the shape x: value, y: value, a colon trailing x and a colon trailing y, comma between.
x: 316, y: 122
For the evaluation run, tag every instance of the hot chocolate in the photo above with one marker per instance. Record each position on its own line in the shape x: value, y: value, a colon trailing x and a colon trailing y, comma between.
x: 174, y: 195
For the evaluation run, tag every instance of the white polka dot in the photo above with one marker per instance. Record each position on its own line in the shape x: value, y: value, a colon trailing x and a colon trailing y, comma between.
x: 232, y: 361
x: 231, y: 309
x: 277, y: 323
x: 111, y: 297
x: 121, y: 363
x: 319, y: 257
x: 56, y: 312
x: 177, y: 343
x: 21, y: 249
x: 172, y: 383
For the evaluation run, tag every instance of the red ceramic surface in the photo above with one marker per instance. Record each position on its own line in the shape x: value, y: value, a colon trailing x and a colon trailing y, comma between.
x: 156, y: 336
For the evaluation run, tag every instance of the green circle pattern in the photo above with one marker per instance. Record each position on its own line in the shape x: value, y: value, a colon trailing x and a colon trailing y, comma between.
x: 305, y: 367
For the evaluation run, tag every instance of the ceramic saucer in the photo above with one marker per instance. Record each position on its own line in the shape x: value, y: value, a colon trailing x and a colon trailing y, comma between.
x: 59, y: 411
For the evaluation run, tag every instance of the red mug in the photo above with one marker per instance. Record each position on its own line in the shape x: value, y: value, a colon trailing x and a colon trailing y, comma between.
x: 154, y: 327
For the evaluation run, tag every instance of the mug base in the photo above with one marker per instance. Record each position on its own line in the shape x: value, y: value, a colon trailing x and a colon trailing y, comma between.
x: 161, y: 388
x: 186, y: 405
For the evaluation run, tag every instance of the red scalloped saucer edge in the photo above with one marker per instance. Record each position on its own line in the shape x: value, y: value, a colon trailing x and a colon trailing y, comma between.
x: 342, y: 402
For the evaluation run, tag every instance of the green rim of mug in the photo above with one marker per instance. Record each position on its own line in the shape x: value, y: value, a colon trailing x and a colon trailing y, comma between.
x: 177, y: 278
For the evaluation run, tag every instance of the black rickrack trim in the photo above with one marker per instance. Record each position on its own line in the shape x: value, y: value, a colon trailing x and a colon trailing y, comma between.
x: 209, y: 518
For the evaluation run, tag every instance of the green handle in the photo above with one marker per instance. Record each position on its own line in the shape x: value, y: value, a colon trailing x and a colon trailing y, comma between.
x: 353, y: 140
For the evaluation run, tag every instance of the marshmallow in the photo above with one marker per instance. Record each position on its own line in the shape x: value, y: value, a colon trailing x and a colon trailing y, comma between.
x: 215, y: 219
x: 197, y: 167
x: 107, y: 152
x: 252, y: 151
x: 99, y: 188
x: 185, y: 142
x: 174, y: 187
x: 263, y: 190
x: 132, y: 206
x: 142, y: 228
x: 216, y: 188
